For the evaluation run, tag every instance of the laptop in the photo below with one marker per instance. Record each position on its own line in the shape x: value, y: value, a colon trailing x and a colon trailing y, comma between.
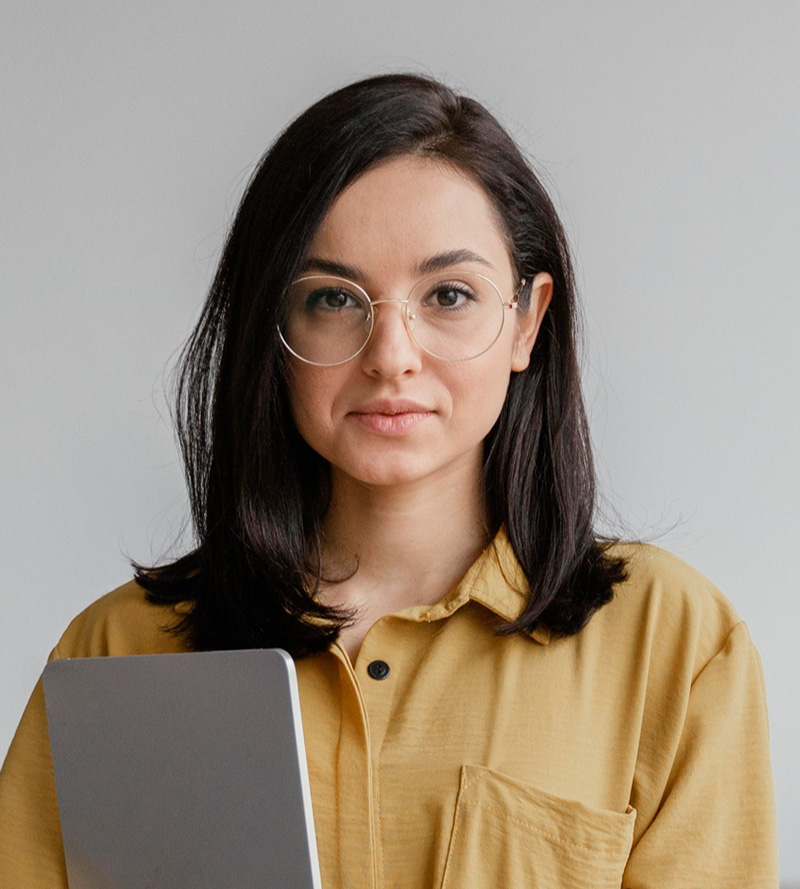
x: 183, y: 771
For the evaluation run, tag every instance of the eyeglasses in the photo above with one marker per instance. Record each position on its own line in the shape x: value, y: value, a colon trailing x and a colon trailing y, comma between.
x: 454, y: 317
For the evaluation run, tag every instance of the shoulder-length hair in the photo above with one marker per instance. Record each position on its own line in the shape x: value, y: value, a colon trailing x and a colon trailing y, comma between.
x: 259, y: 493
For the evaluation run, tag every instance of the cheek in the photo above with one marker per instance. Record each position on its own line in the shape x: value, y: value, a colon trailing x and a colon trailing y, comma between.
x: 481, y: 395
x: 309, y: 400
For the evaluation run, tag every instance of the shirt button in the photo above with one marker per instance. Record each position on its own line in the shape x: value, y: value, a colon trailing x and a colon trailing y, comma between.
x: 378, y: 669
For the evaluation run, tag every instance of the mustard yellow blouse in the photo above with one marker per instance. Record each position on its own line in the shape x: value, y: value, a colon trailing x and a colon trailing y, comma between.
x: 633, y: 754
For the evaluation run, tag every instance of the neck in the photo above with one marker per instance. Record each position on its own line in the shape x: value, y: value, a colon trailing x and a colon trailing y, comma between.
x: 412, y: 543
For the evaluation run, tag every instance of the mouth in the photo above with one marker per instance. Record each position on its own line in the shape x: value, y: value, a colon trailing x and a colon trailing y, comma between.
x: 391, y: 417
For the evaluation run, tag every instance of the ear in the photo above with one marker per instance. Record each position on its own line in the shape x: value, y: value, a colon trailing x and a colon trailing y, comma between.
x: 529, y: 320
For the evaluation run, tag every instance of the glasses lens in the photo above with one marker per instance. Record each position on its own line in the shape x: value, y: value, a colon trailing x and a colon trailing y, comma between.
x: 328, y: 320
x: 456, y: 317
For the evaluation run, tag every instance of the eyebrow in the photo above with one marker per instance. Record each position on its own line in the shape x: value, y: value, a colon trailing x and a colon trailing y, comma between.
x: 432, y: 264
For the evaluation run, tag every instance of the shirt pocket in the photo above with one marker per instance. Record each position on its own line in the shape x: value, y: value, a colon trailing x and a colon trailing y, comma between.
x: 510, y: 834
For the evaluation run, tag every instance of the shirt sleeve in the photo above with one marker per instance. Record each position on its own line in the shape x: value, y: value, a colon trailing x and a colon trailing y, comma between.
x: 715, y: 825
x: 31, y: 850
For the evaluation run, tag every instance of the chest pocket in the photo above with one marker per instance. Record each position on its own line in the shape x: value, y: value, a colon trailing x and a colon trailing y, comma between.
x: 510, y: 834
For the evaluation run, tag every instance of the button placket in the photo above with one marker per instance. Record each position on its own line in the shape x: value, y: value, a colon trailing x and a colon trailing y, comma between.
x: 379, y: 670
x: 338, y: 743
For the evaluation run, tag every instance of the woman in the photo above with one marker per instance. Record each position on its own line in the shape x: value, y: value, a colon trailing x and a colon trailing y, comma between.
x: 390, y: 476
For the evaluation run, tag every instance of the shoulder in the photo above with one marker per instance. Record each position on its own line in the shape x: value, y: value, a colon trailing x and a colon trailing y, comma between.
x: 667, y: 608
x: 121, y: 622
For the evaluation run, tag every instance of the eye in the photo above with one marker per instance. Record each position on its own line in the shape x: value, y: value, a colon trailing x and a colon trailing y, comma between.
x: 450, y: 295
x: 331, y: 299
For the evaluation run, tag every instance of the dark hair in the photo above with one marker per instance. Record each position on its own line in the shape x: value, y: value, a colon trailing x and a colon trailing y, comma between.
x: 258, y: 492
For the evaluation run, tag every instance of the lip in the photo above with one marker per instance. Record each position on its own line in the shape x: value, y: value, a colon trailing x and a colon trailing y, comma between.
x: 391, y: 417
x: 391, y: 407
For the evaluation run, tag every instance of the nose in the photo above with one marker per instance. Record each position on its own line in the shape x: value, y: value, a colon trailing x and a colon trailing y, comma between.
x: 390, y: 351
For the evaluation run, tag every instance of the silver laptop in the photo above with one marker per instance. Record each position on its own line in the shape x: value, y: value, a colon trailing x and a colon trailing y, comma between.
x: 182, y: 771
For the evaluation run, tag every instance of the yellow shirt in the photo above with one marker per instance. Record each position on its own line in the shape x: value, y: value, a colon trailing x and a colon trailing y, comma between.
x: 633, y: 754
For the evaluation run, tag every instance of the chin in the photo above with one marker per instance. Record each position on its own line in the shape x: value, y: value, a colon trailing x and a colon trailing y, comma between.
x: 385, y: 473
x: 389, y: 477
x: 380, y: 467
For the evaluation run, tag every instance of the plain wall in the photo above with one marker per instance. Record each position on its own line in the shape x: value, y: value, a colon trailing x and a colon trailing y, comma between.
x: 669, y: 137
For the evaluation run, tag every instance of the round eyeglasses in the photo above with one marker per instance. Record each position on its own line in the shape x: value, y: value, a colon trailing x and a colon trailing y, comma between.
x: 454, y: 317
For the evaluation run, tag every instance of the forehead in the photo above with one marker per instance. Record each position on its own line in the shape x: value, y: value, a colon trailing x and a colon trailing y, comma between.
x: 406, y: 209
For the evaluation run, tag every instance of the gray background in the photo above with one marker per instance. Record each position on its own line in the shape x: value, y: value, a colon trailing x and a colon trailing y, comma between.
x: 669, y: 136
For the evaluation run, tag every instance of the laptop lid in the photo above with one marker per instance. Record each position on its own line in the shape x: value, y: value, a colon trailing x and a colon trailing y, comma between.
x: 182, y: 771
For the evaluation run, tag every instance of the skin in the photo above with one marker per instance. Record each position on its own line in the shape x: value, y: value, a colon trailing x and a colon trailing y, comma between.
x: 403, y: 484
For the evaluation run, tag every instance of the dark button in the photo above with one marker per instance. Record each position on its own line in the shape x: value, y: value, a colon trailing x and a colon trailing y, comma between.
x: 378, y: 669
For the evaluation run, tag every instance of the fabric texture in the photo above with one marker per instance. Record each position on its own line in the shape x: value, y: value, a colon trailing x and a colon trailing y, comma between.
x: 634, y: 754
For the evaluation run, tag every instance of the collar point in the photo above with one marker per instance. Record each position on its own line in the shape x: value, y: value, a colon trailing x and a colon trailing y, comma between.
x: 541, y: 635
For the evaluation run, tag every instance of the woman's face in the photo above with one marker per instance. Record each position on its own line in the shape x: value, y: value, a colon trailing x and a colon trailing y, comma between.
x: 394, y: 414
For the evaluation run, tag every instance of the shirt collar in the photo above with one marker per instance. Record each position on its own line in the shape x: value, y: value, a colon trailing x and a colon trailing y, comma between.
x: 495, y: 580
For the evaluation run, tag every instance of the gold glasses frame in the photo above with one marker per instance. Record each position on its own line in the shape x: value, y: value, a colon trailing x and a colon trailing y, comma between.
x: 408, y: 316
